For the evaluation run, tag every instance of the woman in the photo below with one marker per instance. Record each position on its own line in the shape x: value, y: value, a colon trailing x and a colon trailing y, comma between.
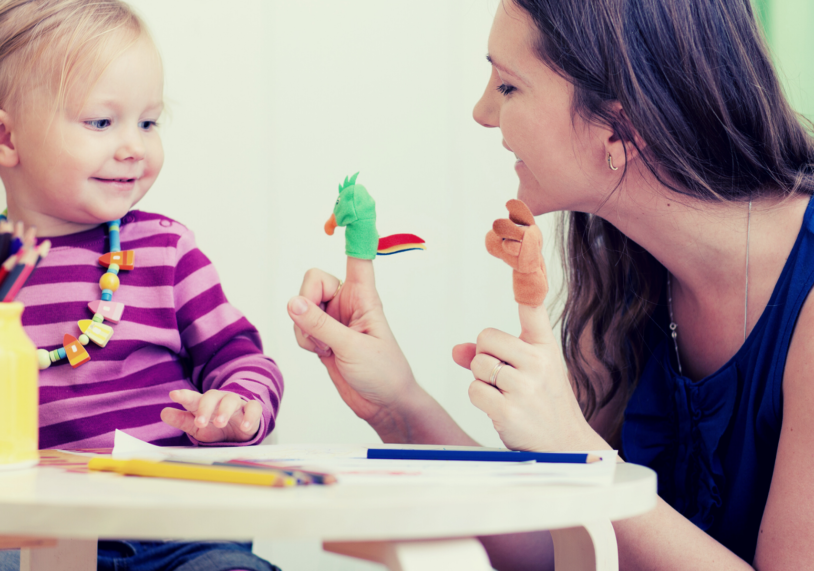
x: 660, y: 127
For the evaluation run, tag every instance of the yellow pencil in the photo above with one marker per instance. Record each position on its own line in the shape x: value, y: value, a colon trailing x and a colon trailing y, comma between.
x: 181, y: 471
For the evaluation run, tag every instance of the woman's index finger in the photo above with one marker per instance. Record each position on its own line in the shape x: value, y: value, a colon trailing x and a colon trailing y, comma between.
x: 360, y: 271
x: 535, y: 325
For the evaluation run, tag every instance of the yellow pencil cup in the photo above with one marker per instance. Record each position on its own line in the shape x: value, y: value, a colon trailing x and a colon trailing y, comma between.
x: 19, y: 392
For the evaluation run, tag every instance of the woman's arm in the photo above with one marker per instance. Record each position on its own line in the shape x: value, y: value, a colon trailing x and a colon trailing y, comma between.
x: 664, y: 539
x: 419, y: 419
x: 351, y: 336
x: 786, y: 539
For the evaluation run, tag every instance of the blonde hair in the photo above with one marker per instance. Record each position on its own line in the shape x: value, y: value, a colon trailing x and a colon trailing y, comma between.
x: 60, y: 48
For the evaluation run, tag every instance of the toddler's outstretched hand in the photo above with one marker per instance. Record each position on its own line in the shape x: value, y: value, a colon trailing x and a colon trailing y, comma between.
x: 215, y: 416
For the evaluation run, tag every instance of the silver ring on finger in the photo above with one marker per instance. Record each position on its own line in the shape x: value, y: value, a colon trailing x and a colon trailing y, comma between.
x: 495, y: 372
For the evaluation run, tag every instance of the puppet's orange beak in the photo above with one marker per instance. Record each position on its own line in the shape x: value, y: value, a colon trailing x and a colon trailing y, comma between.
x: 330, y: 225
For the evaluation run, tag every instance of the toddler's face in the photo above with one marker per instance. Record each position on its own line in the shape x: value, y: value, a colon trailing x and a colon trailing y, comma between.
x: 95, y: 159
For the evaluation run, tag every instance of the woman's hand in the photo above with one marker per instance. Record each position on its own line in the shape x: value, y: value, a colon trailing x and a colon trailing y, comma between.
x: 348, y: 331
x: 532, y: 404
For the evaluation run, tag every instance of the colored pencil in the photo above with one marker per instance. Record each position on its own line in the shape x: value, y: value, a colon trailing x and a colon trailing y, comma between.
x: 5, y: 240
x: 302, y: 476
x: 482, y: 455
x: 185, y: 471
x: 17, y: 278
x: 16, y: 239
x: 28, y: 242
x: 7, y: 266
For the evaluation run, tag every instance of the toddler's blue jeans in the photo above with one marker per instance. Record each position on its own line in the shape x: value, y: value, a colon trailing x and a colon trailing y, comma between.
x: 165, y: 556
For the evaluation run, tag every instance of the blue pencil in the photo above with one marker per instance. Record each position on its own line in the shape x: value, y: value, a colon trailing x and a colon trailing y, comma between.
x: 482, y: 455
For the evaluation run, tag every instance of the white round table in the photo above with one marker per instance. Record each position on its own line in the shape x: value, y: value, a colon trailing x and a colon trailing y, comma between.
x: 404, y: 527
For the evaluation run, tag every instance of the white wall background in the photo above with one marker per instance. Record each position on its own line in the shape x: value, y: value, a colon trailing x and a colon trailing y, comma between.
x: 272, y: 104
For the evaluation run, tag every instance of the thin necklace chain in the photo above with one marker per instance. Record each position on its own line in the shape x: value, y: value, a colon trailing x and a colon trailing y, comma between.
x: 674, y: 327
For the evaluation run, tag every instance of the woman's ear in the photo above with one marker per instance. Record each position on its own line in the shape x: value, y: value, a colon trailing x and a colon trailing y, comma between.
x: 8, y: 152
x: 623, y: 143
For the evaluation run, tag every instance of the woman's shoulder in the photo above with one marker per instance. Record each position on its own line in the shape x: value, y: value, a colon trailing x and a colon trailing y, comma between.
x: 797, y: 373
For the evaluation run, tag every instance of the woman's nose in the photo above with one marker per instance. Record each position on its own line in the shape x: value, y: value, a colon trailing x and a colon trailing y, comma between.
x: 487, y: 109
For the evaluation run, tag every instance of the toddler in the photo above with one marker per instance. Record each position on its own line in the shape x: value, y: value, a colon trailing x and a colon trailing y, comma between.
x: 81, y: 91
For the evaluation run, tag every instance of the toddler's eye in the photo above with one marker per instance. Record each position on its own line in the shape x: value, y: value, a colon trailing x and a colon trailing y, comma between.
x: 505, y: 89
x: 147, y: 125
x: 98, y: 124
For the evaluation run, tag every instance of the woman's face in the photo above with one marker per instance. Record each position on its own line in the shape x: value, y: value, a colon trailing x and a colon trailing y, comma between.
x: 561, y: 159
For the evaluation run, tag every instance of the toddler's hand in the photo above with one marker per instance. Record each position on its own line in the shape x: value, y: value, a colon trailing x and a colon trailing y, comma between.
x: 215, y: 416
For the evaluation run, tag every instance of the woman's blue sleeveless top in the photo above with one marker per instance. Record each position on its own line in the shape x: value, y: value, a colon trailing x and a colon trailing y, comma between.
x: 713, y: 442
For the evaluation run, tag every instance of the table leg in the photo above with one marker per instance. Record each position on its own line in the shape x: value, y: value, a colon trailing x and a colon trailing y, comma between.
x: 66, y: 555
x: 590, y: 547
x: 431, y: 555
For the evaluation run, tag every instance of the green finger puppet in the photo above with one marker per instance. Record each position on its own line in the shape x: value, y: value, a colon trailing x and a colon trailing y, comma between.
x: 356, y: 210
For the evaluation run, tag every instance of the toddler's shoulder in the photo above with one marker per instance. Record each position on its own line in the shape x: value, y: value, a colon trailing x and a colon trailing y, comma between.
x: 158, y: 223
x: 161, y: 241
x: 141, y: 229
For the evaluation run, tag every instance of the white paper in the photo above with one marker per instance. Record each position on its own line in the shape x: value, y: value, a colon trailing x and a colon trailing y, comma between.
x: 126, y: 447
x: 350, y: 465
x: 363, y: 471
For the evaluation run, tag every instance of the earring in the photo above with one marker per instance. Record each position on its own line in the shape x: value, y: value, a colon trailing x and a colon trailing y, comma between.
x: 610, y: 163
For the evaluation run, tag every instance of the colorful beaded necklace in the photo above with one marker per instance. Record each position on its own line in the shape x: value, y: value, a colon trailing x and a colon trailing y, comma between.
x: 94, y: 329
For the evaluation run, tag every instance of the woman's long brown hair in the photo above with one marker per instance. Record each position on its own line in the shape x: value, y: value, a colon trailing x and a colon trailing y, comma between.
x: 696, y: 84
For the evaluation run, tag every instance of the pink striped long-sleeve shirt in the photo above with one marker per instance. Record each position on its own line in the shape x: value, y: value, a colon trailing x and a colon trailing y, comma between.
x: 178, y: 331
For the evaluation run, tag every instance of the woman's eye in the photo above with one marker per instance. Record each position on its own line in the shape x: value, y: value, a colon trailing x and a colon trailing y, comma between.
x: 147, y: 125
x: 505, y: 89
x: 98, y: 124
